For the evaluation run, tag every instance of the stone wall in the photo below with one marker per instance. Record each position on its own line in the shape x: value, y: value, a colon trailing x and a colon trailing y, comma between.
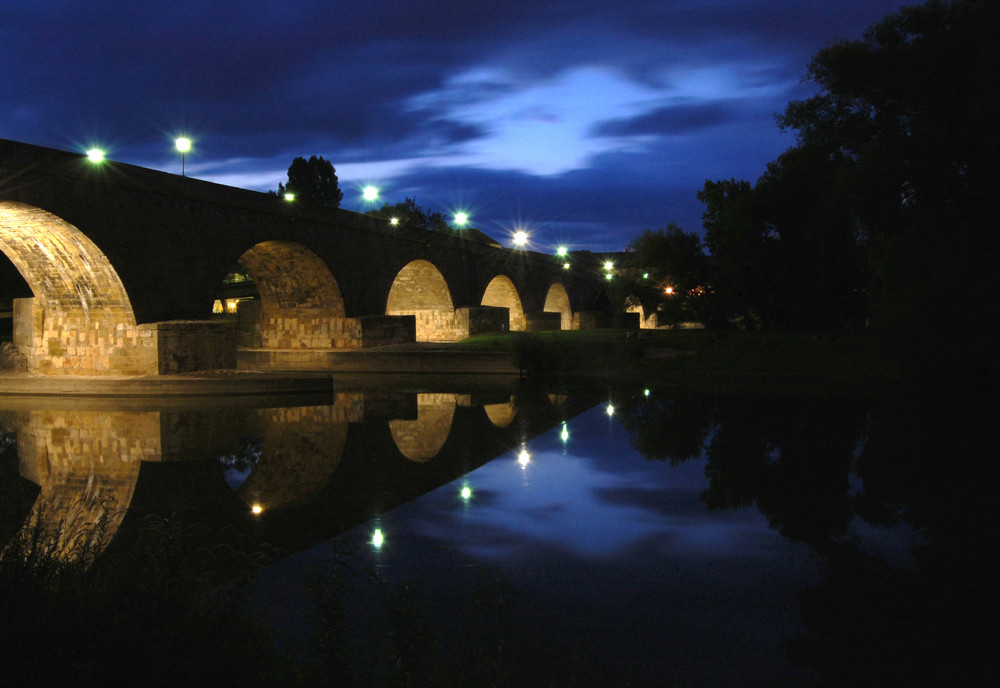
x: 590, y: 320
x: 186, y: 346
x: 311, y: 329
x: 70, y: 344
x: 482, y: 320
x: 537, y: 322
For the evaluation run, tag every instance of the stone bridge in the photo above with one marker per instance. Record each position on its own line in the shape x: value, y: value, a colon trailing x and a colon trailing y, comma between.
x: 123, y: 266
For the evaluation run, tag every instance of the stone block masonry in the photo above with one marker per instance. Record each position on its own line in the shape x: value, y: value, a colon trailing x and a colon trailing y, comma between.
x: 69, y: 344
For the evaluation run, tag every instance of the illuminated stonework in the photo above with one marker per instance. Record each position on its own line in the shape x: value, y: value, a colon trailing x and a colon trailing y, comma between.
x: 422, y: 439
x: 502, y: 292
x: 80, y: 321
x: 302, y: 448
x: 420, y: 290
x: 301, y: 306
x: 557, y: 301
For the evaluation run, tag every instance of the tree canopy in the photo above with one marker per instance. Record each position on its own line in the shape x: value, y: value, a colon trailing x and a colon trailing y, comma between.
x: 887, y: 205
x: 409, y: 214
x: 313, y: 183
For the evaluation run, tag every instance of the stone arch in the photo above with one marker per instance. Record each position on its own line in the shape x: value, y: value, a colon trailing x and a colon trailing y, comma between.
x: 557, y: 301
x: 420, y: 290
x: 421, y: 439
x: 501, y: 415
x: 634, y: 305
x: 80, y: 320
x: 299, y: 297
x: 302, y: 448
x: 501, y: 292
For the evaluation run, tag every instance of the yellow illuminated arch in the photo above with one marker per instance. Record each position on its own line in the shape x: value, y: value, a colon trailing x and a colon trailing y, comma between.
x: 557, y: 301
x: 81, y: 319
x: 501, y: 292
x: 421, y: 439
x: 421, y: 290
x: 290, y: 276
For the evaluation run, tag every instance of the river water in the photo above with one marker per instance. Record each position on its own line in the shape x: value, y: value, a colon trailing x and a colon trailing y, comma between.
x: 523, y: 536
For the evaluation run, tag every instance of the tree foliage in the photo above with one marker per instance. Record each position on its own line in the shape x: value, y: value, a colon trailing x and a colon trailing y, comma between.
x: 910, y: 111
x: 409, y: 214
x: 314, y: 183
x: 887, y: 204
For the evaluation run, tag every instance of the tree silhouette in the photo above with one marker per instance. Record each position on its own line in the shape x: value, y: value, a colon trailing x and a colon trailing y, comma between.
x: 313, y: 183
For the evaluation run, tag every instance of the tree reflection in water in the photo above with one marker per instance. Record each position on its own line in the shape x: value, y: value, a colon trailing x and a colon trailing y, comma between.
x: 860, y: 482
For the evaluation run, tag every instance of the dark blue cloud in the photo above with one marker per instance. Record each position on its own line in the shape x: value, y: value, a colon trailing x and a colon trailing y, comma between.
x: 446, y: 95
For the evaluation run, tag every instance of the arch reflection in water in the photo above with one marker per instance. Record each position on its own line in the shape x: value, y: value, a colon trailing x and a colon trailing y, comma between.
x: 421, y: 439
x: 306, y: 472
x: 86, y: 462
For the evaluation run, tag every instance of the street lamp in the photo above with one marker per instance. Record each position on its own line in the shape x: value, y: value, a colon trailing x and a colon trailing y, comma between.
x: 95, y: 155
x: 520, y: 238
x: 369, y: 193
x: 461, y: 218
x: 183, y: 145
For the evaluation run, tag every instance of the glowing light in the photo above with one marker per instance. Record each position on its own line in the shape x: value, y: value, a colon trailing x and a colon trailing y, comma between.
x: 524, y: 458
x: 607, y: 275
x: 608, y: 265
x: 377, y: 538
x: 565, y: 266
x: 465, y: 493
x: 668, y: 291
x: 232, y: 305
x: 369, y: 193
x: 95, y: 155
x: 645, y: 275
x: 461, y: 218
x: 645, y: 392
x: 256, y: 509
x: 610, y: 410
x: 289, y: 197
x: 393, y: 221
x: 520, y: 237
x: 562, y: 251
x: 183, y: 144
x: 564, y: 433
x: 217, y: 307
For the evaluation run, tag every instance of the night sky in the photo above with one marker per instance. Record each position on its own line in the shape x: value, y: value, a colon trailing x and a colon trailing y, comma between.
x: 585, y: 122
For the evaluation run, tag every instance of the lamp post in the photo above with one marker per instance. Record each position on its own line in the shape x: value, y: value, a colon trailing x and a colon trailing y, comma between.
x: 370, y: 194
x: 183, y: 145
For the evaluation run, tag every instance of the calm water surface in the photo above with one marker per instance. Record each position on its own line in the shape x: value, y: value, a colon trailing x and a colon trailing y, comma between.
x: 630, y: 537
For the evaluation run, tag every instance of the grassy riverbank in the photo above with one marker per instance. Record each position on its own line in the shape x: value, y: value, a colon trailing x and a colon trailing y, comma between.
x: 703, y: 359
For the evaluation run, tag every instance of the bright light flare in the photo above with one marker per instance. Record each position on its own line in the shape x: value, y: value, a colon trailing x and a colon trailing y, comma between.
x: 608, y: 265
x: 564, y: 433
x: 461, y: 218
x: 369, y: 193
x: 256, y: 509
x: 520, y: 237
x: 465, y: 493
x: 524, y: 458
x: 393, y: 221
x: 289, y: 197
x: 610, y: 410
x: 95, y: 155
x: 562, y: 251
x: 377, y: 538
x: 183, y: 144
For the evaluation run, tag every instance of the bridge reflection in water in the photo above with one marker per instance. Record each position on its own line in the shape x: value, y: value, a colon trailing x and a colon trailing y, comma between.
x: 289, y: 472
